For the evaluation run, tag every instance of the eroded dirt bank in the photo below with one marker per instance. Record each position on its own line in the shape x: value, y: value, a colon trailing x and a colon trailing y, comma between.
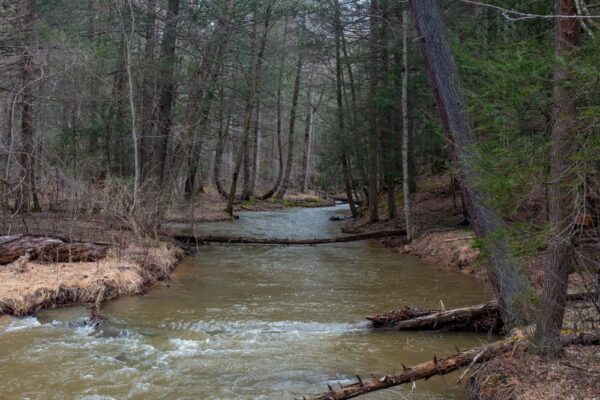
x: 28, y: 286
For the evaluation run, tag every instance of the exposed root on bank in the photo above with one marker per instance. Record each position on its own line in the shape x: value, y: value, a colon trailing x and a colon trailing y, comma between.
x: 480, y: 318
x: 190, y: 238
x: 443, y: 366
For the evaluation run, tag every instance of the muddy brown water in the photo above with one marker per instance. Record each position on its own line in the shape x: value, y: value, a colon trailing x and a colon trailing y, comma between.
x: 245, y: 322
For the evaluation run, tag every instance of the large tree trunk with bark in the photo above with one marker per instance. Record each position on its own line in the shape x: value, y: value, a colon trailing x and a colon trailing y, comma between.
x: 510, y: 284
x: 559, y: 255
x: 405, y: 133
x: 167, y: 95
x: 148, y: 92
x: 372, y: 117
x: 340, y: 110
x: 290, y: 153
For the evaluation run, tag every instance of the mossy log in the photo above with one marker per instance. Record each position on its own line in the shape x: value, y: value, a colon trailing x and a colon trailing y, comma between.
x: 48, y: 249
x: 442, y: 366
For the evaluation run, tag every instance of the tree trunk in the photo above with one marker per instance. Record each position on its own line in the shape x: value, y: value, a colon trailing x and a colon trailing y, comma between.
x: 256, y: 82
x: 255, y: 169
x: 271, y: 192
x: 223, y: 134
x: 560, y: 194
x: 372, y: 113
x: 28, y: 199
x: 405, y: 170
x: 387, y: 150
x: 148, y: 92
x: 167, y: 95
x: 340, y: 111
x: 308, y: 128
x: 290, y: 153
x: 510, y: 284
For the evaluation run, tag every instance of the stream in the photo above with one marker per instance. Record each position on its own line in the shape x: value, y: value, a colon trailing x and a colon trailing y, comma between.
x: 246, y: 322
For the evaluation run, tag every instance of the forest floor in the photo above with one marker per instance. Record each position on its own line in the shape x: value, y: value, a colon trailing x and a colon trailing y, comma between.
x: 441, y: 238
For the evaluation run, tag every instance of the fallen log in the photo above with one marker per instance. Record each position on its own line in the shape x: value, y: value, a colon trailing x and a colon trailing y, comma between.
x: 391, y: 318
x: 442, y: 366
x: 195, y: 239
x: 480, y: 318
x: 48, y: 249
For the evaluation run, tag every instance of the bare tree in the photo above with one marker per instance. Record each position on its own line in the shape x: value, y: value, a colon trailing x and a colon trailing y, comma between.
x: 290, y: 153
x: 28, y: 198
x: 254, y: 87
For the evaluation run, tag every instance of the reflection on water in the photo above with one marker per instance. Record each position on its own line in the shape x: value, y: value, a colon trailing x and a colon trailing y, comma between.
x: 244, y: 322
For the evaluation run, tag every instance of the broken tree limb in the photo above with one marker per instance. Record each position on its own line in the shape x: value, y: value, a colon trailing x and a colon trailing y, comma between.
x: 443, y: 366
x: 195, y: 239
x: 480, y: 318
x: 49, y: 249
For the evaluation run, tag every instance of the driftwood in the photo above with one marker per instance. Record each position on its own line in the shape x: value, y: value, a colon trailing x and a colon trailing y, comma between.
x: 51, y: 249
x: 195, y: 239
x: 480, y: 318
x: 442, y: 366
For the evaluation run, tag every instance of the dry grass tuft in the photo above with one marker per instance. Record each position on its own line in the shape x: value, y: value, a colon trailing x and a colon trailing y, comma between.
x: 128, y: 271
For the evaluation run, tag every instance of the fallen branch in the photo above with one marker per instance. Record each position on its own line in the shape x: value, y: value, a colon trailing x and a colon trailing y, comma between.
x: 195, y: 239
x: 45, y: 248
x: 442, y: 366
x: 480, y: 318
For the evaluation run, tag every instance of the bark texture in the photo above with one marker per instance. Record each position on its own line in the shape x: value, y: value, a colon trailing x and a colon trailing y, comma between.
x: 290, y: 153
x: 167, y: 94
x: 560, y: 196
x: 510, y: 284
